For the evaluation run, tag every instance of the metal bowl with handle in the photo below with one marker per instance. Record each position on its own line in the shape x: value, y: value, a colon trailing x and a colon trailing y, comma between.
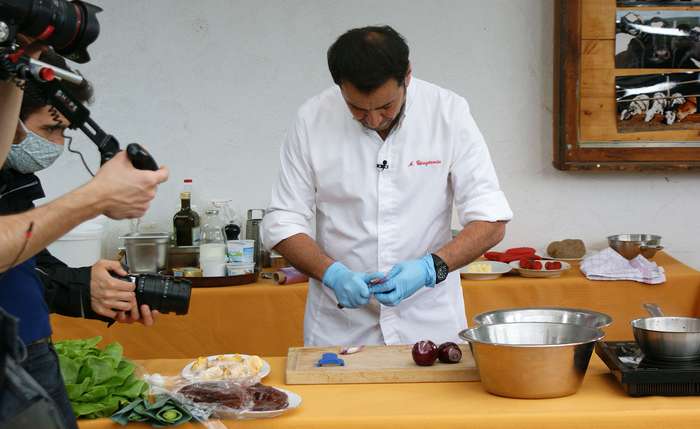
x: 667, y: 338
x: 146, y: 252
x: 632, y: 245
x: 575, y: 316
x: 532, y: 360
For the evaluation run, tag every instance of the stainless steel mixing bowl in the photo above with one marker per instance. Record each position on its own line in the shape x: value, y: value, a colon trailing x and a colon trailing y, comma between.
x: 631, y: 245
x: 532, y: 360
x: 575, y: 316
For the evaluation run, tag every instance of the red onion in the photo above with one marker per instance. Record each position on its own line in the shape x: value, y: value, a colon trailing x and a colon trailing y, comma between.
x: 424, y: 353
x: 449, y: 353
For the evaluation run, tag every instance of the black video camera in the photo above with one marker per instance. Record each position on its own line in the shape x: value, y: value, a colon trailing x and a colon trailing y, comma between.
x: 166, y: 294
x: 68, y: 26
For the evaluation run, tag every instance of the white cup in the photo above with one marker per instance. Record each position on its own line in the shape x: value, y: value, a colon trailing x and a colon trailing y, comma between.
x: 211, y: 268
x: 212, y: 251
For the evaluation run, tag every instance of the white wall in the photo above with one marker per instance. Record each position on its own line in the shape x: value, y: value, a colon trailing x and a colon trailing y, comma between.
x: 210, y: 86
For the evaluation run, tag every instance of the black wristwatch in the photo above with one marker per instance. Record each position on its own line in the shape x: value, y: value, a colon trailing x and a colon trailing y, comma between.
x: 441, y: 269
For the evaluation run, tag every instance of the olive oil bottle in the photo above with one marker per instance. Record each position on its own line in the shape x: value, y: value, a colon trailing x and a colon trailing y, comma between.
x: 186, y: 223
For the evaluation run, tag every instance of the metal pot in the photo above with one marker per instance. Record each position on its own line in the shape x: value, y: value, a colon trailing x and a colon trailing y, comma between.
x: 667, y: 338
x: 532, y: 360
x: 631, y: 245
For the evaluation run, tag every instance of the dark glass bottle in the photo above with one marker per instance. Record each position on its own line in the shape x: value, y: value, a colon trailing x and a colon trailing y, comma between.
x: 186, y: 223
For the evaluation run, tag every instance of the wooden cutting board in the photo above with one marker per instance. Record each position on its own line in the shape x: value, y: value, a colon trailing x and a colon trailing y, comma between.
x: 375, y: 364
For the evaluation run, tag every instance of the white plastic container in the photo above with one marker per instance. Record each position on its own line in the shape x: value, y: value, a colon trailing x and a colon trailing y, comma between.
x: 240, y: 251
x: 80, y: 247
x: 237, y: 269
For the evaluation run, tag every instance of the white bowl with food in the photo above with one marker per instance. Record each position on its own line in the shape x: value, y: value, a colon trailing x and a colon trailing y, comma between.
x: 484, y: 270
x: 227, y: 367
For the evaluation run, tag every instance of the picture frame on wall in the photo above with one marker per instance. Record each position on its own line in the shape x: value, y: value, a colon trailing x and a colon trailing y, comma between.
x: 587, y: 132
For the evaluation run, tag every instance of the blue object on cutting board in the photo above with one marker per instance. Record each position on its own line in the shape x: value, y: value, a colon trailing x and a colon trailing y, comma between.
x: 330, y: 359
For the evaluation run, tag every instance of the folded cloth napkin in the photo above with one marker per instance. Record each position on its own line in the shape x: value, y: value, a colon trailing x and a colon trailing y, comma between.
x: 610, y: 265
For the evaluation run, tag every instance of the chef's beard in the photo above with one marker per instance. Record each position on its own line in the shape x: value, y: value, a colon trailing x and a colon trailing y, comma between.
x: 390, y: 123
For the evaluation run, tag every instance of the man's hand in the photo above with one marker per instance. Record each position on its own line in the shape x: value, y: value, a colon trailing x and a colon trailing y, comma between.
x: 126, y: 192
x: 350, y: 287
x: 404, y: 279
x: 108, y: 294
x: 114, y: 298
x: 147, y: 317
x: 32, y: 47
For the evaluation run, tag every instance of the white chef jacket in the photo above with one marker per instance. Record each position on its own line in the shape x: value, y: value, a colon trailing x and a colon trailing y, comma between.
x: 370, y: 219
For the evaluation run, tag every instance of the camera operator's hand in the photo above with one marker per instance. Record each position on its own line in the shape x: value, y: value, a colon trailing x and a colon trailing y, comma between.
x: 108, y: 295
x: 147, y: 317
x: 31, y: 46
x: 125, y: 192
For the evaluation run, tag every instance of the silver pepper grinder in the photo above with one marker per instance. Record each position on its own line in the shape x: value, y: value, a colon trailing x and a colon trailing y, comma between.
x: 252, y: 232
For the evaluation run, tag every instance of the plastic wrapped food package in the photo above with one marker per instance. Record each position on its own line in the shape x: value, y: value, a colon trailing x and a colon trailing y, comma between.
x: 207, y: 401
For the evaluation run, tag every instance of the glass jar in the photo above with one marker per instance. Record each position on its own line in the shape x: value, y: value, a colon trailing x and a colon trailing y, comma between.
x: 212, y: 247
x: 232, y: 224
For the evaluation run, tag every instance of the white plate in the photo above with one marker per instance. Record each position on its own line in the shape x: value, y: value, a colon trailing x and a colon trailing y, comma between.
x: 540, y: 273
x: 543, y: 253
x: 188, y: 374
x: 293, y: 400
x: 497, y: 270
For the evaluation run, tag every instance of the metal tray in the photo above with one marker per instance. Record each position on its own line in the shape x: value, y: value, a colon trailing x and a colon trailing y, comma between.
x: 242, y: 279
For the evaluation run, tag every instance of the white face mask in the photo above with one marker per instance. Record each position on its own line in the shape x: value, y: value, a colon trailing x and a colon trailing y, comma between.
x: 32, y: 154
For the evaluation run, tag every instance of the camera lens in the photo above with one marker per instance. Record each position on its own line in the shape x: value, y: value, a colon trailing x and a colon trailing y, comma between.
x: 67, y: 26
x: 163, y: 293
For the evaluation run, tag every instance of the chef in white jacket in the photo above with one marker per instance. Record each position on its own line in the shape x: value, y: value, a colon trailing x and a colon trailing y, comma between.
x: 379, y: 161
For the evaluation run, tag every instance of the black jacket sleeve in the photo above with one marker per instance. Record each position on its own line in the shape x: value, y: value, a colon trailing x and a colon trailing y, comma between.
x: 66, y: 289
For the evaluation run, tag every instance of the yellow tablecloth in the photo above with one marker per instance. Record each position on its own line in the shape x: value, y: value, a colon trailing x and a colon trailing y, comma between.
x: 599, y: 404
x: 266, y: 319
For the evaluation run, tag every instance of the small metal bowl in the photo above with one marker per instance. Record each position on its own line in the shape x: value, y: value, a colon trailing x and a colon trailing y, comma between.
x: 575, y: 316
x: 146, y: 252
x: 631, y: 245
x: 532, y: 360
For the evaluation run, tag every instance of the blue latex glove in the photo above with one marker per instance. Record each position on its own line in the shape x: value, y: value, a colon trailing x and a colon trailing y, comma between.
x: 404, y: 279
x: 350, y: 288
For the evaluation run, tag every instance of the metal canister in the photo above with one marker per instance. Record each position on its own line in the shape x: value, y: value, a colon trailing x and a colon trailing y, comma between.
x: 252, y: 232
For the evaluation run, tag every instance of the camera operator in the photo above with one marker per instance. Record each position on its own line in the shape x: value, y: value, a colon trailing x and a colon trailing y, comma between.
x: 118, y: 190
x: 39, y: 139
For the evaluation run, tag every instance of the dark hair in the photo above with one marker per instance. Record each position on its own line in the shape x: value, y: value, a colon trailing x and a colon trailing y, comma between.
x: 33, y: 99
x: 368, y: 57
